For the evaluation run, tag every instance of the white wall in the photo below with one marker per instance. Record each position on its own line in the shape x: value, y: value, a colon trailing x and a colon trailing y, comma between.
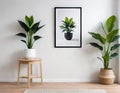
x: 59, y: 64
x: 119, y: 39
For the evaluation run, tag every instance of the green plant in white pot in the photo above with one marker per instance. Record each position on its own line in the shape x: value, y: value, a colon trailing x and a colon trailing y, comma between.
x: 107, y: 45
x: 29, y: 35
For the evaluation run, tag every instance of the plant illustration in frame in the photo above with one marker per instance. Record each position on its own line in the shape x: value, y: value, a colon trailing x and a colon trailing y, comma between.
x: 68, y: 27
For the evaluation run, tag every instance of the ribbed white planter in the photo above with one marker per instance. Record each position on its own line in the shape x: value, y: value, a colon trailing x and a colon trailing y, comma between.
x: 30, y: 53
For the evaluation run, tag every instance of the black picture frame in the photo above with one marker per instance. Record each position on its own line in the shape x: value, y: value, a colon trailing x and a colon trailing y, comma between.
x: 59, y: 15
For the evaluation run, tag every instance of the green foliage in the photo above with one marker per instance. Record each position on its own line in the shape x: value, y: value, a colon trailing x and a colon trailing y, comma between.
x: 116, y: 38
x: 112, y: 35
x: 115, y: 46
x: 98, y: 37
x: 107, y: 41
x: 114, y: 55
x: 96, y: 45
x: 67, y: 24
x: 30, y: 30
x: 110, y: 23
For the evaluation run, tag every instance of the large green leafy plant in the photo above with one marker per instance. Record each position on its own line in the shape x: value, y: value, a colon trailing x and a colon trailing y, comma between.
x: 107, y: 41
x: 30, y: 29
x: 67, y: 25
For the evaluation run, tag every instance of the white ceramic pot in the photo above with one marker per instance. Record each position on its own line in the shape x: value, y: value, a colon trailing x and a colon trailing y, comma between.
x: 30, y: 53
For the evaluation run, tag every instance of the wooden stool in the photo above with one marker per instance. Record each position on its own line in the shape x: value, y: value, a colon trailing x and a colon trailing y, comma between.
x: 29, y: 62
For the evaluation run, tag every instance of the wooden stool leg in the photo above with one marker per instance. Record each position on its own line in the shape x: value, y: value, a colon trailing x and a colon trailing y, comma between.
x: 18, y: 73
x: 29, y: 74
x: 41, y: 72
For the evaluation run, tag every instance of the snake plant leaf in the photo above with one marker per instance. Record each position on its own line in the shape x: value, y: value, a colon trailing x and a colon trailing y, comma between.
x: 23, y: 41
x: 116, y: 38
x: 114, y: 55
x: 37, y: 37
x: 115, y: 46
x: 23, y: 25
x: 96, y: 45
x: 112, y: 35
x: 21, y: 34
x: 98, y: 37
x: 110, y: 23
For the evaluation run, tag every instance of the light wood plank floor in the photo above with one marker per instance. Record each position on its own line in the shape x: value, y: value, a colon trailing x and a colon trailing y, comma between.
x: 14, y: 88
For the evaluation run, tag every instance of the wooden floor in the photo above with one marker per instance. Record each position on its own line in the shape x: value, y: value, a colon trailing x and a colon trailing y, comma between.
x: 14, y: 88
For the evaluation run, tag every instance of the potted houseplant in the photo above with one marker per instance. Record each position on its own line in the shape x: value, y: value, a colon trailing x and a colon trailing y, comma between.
x: 29, y: 35
x: 67, y: 26
x: 107, y: 45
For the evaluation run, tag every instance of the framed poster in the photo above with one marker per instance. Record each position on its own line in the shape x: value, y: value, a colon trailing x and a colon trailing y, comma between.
x: 68, y: 27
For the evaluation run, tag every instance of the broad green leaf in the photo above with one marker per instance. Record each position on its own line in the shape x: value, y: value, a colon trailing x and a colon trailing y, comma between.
x: 39, y: 28
x: 70, y: 20
x: 62, y: 27
x: 110, y: 23
x: 27, y: 21
x: 23, y: 41
x: 115, y: 38
x: 66, y: 19
x: 23, y: 25
x: 96, y: 45
x: 98, y: 37
x: 63, y: 30
x: 63, y: 22
x: 115, y: 46
x: 37, y: 37
x: 112, y: 35
x: 114, y: 55
x: 35, y: 26
x: 21, y: 34
x: 31, y: 19
x: 67, y: 24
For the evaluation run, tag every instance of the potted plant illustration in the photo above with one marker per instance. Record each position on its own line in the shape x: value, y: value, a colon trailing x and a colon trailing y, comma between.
x: 107, y: 45
x: 67, y: 26
x: 29, y: 35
